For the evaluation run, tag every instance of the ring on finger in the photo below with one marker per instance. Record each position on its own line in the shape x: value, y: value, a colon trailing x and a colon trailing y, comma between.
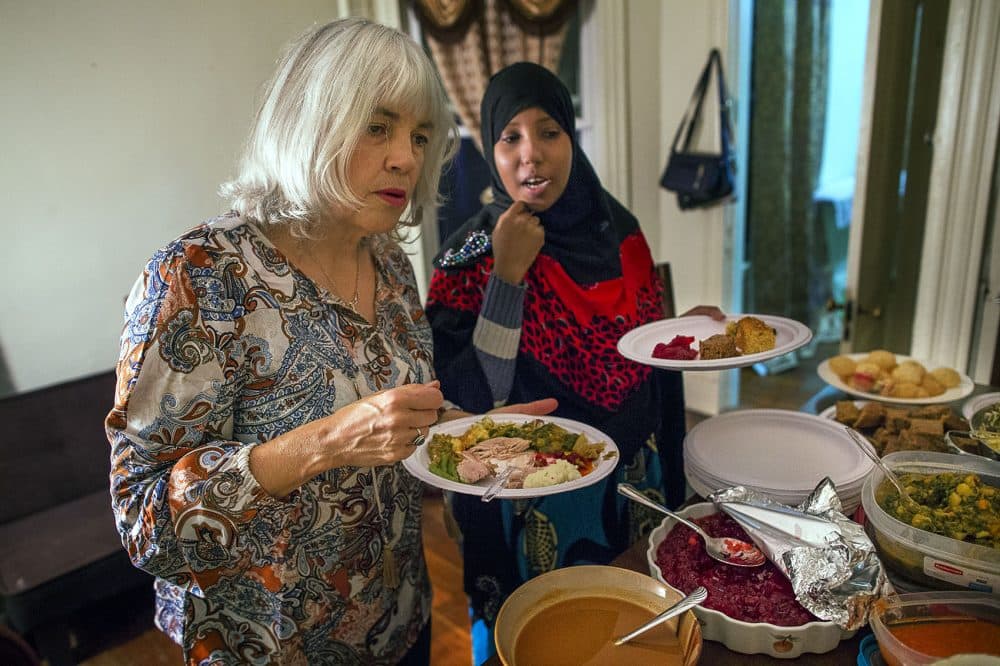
x: 419, y: 439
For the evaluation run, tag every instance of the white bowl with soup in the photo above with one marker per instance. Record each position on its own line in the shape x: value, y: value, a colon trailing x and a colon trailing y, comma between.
x: 572, y: 616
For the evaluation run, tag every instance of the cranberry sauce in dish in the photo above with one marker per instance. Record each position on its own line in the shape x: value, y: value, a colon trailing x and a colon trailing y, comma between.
x: 761, y: 594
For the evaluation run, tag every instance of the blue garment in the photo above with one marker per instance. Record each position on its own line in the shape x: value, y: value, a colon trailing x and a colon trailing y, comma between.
x: 591, y: 525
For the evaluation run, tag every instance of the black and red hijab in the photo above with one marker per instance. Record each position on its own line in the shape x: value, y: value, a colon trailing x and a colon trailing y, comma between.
x: 593, y: 281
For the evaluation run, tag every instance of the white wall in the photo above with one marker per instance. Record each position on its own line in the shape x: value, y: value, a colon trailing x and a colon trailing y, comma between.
x: 119, y: 120
x: 647, y: 127
x: 692, y: 241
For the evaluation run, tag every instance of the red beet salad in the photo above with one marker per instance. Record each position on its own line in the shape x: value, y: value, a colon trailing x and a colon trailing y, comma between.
x: 758, y: 594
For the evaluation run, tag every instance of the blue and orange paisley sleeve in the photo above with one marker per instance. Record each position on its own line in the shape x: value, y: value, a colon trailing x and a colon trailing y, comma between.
x: 186, y: 506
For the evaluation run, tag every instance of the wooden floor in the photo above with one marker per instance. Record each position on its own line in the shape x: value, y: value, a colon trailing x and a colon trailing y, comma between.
x: 450, y: 628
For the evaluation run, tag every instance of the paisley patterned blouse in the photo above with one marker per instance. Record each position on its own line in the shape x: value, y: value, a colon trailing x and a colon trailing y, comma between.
x: 226, y: 345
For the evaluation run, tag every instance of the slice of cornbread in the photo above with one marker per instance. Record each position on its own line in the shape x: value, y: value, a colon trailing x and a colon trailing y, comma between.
x: 752, y: 335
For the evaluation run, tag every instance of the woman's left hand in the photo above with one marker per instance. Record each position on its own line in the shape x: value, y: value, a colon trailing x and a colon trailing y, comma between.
x: 534, y: 408
x: 712, y: 311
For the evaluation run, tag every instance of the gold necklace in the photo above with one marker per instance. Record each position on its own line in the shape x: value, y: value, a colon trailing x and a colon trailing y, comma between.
x: 353, y: 303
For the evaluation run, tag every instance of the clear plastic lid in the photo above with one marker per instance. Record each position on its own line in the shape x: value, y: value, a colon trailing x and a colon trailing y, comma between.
x: 921, y: 542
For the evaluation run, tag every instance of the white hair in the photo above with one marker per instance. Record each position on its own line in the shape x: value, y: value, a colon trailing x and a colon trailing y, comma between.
x: 320, y: 100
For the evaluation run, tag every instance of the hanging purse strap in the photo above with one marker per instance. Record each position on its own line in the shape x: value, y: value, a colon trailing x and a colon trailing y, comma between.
x: 693, y: 112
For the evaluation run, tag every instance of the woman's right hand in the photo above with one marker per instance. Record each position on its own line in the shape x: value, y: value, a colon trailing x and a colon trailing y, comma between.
x: 517, y: 239
x: 378, y: 429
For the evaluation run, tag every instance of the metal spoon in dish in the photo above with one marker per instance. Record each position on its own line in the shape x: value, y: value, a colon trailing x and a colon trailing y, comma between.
x: 698, y: 595
x: 889, y: 474
x: 725, y: 549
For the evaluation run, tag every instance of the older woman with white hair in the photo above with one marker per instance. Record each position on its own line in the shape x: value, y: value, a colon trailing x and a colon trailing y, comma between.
x: 276, y: 368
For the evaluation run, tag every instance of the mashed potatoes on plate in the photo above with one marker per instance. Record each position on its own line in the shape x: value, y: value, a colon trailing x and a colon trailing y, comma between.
x: 558, y: 471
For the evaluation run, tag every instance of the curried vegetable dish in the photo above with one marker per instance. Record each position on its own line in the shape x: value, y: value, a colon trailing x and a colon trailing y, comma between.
x: 541, y: 453
x: 951, y: 504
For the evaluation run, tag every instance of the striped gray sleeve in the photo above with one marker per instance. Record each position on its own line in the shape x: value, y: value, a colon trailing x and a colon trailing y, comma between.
x: 497, y: 334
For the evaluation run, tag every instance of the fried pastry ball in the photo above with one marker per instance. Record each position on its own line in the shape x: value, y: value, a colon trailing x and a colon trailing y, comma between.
x: 842, y: 366
x: 873, y: 370
x: 884, y: 359
x: 933, y: 386
x: 946, y: 377
x: 904, y: 390
x: 909, y: 371
x: 860, y: 382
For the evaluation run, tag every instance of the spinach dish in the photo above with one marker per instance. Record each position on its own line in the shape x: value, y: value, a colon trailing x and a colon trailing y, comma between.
x: 955, y: 505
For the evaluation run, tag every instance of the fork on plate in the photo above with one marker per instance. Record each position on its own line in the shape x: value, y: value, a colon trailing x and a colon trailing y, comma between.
x: 499, y: 483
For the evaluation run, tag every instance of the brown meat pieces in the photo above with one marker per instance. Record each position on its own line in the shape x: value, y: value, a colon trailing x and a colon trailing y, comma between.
x: 718, y: 346
x: 892, y: 428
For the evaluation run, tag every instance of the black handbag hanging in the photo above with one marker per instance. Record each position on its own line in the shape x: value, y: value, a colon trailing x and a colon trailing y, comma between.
x: 702, y: 179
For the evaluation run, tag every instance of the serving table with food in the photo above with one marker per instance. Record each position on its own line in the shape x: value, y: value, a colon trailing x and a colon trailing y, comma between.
x: 850, y: 557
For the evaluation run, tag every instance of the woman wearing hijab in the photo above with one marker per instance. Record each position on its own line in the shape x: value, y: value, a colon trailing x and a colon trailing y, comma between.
x: 528, y: 299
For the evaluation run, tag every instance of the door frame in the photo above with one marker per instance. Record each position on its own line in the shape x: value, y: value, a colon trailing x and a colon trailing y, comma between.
x: 855, y: 233
x: 958, y: 204
x: 965, y: 141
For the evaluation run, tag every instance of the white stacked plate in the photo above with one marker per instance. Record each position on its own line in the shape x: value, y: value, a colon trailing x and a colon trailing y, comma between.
x: 781, y: 453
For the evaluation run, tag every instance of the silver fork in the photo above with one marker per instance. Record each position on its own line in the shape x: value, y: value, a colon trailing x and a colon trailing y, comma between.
x: 499, y: 483
x: 698, y: 595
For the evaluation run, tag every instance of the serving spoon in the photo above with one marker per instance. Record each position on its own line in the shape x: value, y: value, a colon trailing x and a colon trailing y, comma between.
x: 889, y: 474
x: 698, y: 595
x: 727, y: 550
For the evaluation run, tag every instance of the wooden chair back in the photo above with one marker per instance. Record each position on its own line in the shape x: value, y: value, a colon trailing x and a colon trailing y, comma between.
x: 669, y: 308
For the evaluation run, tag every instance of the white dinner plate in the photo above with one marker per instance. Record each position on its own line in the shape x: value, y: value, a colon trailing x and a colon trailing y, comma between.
x: 963, y: 389
x: 419, y: 461
x: 774, y: 450
x: 850, y: 497
x: 638, y: 343
x: 977, y: 402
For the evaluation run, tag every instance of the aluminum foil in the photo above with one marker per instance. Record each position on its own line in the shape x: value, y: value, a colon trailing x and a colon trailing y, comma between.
x: 830, y: 561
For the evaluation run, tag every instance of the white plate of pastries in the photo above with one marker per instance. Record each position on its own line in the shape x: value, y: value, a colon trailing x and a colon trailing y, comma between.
x: 888, y: 377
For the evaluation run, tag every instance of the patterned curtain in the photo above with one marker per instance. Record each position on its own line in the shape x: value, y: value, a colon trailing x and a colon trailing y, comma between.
x: 787, y: 274
x: 470, y: 40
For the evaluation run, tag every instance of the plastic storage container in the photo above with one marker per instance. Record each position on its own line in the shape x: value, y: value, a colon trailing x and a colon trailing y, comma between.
x: 945, y: 623
x: 929, y: 559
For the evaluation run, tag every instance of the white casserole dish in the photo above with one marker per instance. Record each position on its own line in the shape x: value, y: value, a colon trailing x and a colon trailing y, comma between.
x: 748, y: 637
